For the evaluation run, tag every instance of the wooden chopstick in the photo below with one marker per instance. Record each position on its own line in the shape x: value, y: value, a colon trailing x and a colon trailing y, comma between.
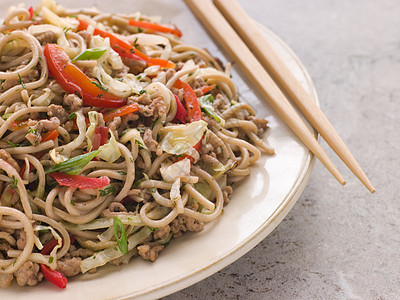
x: 257, y: 42
x: 236, y: 48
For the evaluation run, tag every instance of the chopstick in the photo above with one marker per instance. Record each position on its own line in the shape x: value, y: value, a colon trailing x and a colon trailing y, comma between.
x: 256, y: 41
x: 236, y: 48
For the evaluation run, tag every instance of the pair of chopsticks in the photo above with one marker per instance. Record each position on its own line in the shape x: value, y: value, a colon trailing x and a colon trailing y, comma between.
x: 214, y: 20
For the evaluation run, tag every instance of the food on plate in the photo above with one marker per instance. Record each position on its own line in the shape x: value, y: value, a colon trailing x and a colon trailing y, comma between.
x: 115, y: 137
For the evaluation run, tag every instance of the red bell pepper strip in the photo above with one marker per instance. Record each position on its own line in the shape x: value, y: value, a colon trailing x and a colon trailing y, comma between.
x: 192, y: 104
x: 100, y: 137
x: 205, y: 89
x: 181, y: 113
x: 81, y: 182
x: 50, y: 136
x: 73, y: 80
x: 31, y: 13
x: 122, y: 111
x: 155, y: 27
x: 50, y: 245
x: 54, y: 276
x: 50, y: 275
x: 124, y: 49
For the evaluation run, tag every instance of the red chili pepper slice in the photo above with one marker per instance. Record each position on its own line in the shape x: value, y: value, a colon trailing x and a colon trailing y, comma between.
x: 73, y: 80
x: 155, y: 27
x: 54, y: 276
x: 31, y: 13
x: 122, y: 111
x: 181, y: 113
x: 50, y: 136
x: 81, y: 182
x: 205, y: 89
x: 50, y: 245
x: 124, y: 49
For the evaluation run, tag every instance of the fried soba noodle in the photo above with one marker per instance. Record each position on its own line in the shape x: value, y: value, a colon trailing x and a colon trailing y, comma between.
x: 115, y: 137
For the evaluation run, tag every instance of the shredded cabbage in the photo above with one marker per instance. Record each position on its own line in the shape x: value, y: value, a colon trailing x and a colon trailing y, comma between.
x: 110, y: 151
x: 178, y: 139
x: 102, y: 257
x: 131, y: 219
x: 93, y: 119
x: 176, y: 170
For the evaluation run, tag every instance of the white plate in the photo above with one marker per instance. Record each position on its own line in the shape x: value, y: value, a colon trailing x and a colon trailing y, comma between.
x: 257, y: 206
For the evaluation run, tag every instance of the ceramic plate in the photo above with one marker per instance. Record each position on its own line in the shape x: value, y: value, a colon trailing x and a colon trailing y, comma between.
x: 257, y: 206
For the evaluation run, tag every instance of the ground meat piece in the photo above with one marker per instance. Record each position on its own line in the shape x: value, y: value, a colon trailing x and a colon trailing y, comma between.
x: 8, y: 84
x: 59, y: 112
x: 33, y: 75
x: 162, y: 233
x: 47, y: 37
x: 135, y: 66
x: 146, y: 110
x: 33, y: 137
x: 178, y: 92
x: 73, y: 101
x: 261, y: 124
x: 28, y: 274
x: 150, y: 253
x: 70, y: 267
x: 193, y: 224
x: 121, y: 72
x: 199, y: 61
x: 183, y: 223
x: 5, y: 280
x: 117, y: 261
x: 209, y: 159
x: 226, y: 193
x: 169, y: 74
x: 51, y: 124
x: 22, y: 240
x: 114, y: 125
x: 178, y: 226
x: 220, y: 103
x: 4, y: 155
x: 160, y: 107
x: 142, y: 99
x: 149, y: 141
x: 198, y: 82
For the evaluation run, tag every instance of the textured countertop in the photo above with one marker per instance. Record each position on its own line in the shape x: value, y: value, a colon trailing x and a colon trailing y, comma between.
x: 337, y: 242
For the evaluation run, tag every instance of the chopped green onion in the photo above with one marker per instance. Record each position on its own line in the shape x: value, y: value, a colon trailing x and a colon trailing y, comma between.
x: 120, y: 235
x: 107, y: 191
x: 72, y: 116
x: 90, y: 54
x: 73, y: 165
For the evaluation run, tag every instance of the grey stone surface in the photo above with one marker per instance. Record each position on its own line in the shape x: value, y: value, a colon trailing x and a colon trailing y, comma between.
x: 337, y: 242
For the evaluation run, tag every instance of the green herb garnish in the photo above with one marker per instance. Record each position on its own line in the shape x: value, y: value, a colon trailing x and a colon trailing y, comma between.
x: 107, y: 191
x: 120, y: 235
x: 90, y: 54
x: 73, y: 165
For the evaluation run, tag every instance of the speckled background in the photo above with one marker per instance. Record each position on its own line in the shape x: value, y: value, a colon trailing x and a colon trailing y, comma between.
x: 337, y: 242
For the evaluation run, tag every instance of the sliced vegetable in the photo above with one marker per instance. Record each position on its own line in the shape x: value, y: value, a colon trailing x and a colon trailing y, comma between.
x: 49, y: 136
x: 54, y: 276
x: 120, y: 235
x: 205, y: 89
x: 99, y: 137
x: 110, y: 151
x: 74, y: 165
x: 124, y: 49
x: 178, y: 139
x: 50, y: 245
x: 155, y: 27
x: 119, y: 112
x: 80, y: 182
x: 129, y: 219
x: 206, y: 104
x: 90, y: 54
x: 192, y: 104
x: 31, y: 13
x: 102, y: 257
x: 73, y: 80
x: 181, y: 113
x: 176, y: 170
